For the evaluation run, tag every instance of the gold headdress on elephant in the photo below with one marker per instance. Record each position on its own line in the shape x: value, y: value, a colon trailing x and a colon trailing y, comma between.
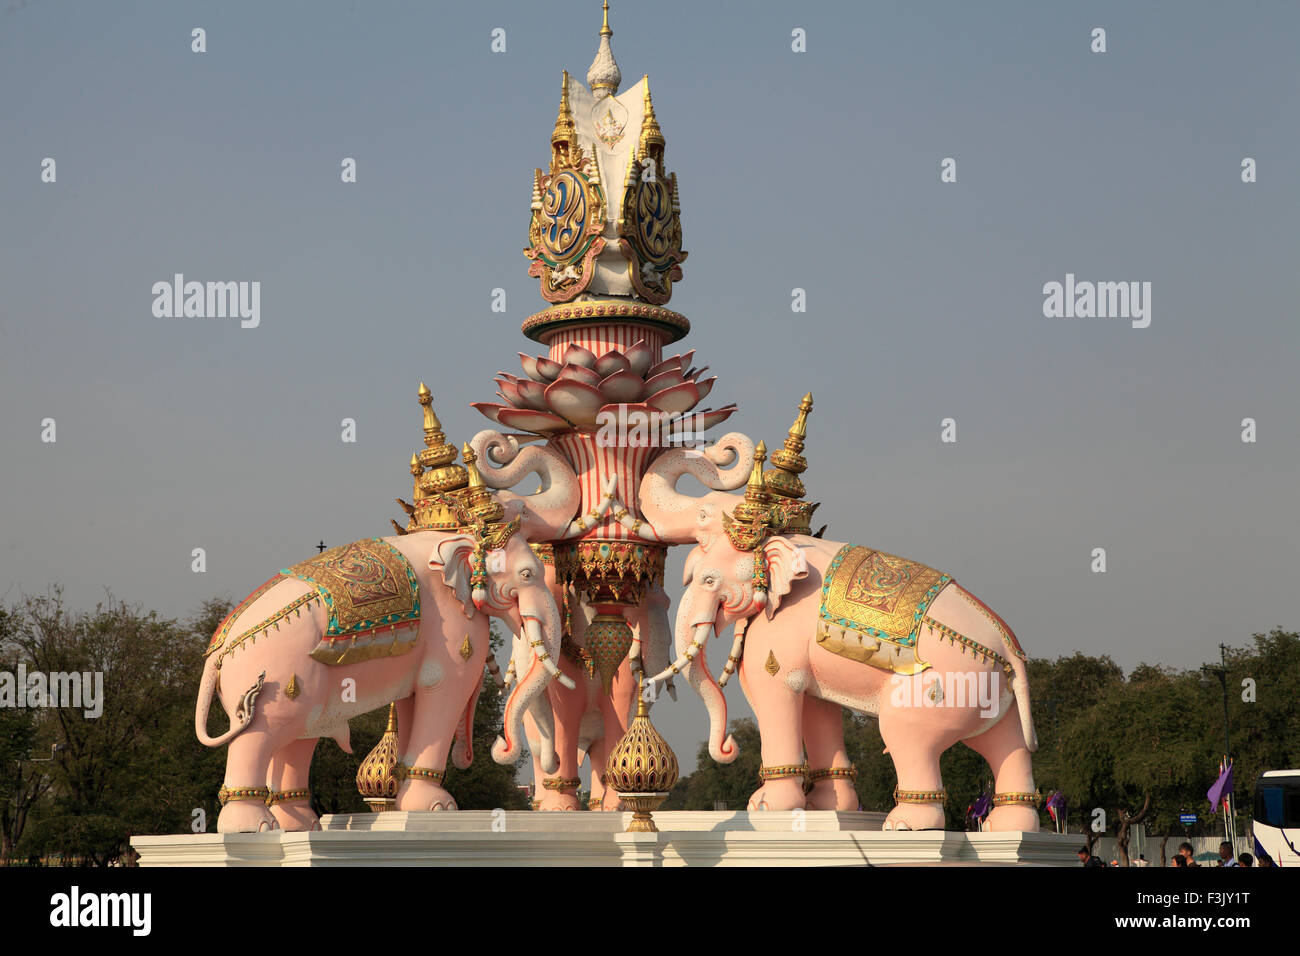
x: 773, y: 502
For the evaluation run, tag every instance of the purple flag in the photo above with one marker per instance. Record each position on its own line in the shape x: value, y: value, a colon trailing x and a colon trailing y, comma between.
x: 1222, y: 787
x: 980, y: 808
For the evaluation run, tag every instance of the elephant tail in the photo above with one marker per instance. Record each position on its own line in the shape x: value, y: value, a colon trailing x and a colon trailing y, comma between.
x: 1020, y: 688
x: 243, y: 714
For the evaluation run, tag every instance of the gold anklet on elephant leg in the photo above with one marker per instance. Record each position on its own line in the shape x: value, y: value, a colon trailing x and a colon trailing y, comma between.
x: 834, y: 773
x: 402, y: 771
x: 228, y: 794
x: 287, y: 796
x: 595, y: 803
x: 783, y: 771
x: 920, y: 796
x: 1017, y: 799
x: 560, y: 784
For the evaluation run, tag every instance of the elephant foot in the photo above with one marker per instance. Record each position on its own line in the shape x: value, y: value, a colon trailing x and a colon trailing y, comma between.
x: 424, y: 795
x: 246, y: 816
x: 833, y: 795
x: 295, y: 816
x: 915, y: 816
x: 1012, y: 818
x: 783, y: 794
x: 612, y: 802
x: 555, y: 800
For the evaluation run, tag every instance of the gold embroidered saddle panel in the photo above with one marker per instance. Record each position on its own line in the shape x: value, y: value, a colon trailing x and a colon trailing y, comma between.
x: 872, y: 607
x: 372, y: 597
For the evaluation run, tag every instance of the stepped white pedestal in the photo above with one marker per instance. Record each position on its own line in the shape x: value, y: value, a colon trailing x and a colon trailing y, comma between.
x: 580, y: 838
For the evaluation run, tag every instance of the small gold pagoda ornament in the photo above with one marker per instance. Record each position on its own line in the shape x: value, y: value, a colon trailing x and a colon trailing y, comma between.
x: 642, y: 768
x: 377, y: 781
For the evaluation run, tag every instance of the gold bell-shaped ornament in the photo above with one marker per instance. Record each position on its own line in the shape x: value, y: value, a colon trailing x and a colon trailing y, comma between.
x: 642, y: 768
x: 376, y: 778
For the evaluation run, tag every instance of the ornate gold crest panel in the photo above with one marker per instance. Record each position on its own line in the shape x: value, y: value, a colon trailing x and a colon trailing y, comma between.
x: 650, y: 233
x: 873, y: 605
x: 372, y: 596
x: 564, y: 234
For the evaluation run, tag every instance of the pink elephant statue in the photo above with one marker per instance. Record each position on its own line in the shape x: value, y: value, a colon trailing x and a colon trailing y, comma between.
x: 588, y: 721
x: 823, y: 625
x: 402, y: 618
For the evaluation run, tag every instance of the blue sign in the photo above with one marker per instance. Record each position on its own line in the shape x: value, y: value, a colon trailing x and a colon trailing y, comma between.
x: 1187, y: 819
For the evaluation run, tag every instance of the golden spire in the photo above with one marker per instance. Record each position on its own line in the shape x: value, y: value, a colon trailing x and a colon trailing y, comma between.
x: 475, y: 479
x: 605, y: 31
x: 376, y: 777
x: 565, y: 132
x: 789, y: 461
x: 435, y: 474
x: 651, y: 134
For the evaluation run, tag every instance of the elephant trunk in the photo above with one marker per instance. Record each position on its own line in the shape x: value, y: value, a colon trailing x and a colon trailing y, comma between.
x: 671, y: 513
x: 693, y: 630
x: 549, y: 513
x: 532, y: 682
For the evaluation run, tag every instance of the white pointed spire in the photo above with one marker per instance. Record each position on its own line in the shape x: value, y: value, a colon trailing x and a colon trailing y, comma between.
x: 604, y: 75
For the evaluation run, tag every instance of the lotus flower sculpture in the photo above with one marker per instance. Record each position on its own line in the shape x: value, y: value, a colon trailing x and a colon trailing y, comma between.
x: 580, y: 392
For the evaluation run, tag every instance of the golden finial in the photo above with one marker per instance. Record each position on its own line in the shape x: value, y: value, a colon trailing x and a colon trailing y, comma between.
x: 754, y: 489
x: 604, y: 75
x: 565, y: 132
x: 475, y: 479
x: 789, y: 462
x: 605, y: 31
x: 651, y: 134
x: 376, y: 777
x: 642, y: 767
x: 431, y: 423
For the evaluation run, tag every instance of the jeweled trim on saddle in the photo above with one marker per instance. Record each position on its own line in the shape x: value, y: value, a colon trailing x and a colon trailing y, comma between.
x: 372, y: 598
x: 872, y: 606
x: 266, y: 624
x: 1008, y: 638
x: 976, y: 648
x: 223, y: 631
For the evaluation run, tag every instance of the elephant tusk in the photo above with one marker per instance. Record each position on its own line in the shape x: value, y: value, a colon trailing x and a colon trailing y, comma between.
x: 584, y: 523
x: 633, y: 525
x: 678, y: 665
x: 534, y: 631
x: 737, y: 646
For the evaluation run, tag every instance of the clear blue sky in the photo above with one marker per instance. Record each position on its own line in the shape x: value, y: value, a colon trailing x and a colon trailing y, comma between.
x: 817, y: 170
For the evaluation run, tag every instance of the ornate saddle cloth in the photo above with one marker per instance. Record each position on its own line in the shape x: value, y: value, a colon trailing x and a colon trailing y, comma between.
x: 371, y: 595
x: 872, y: 607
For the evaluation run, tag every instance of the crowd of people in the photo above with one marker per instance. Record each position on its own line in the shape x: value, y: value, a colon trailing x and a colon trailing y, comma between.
x: 1186, y: 856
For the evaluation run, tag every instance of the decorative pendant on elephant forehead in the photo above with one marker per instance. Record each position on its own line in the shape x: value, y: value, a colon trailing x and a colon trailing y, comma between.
x: 609, y: 638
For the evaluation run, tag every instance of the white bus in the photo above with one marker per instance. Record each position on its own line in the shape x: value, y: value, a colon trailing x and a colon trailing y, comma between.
x: 1277, y: 816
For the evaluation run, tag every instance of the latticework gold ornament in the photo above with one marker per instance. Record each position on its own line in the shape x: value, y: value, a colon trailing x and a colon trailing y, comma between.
x: 642, y: 768
x: 377, y: 781
x: 608, y: 638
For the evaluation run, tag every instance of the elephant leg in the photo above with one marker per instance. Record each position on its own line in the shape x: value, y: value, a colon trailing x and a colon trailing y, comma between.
x: 567, y: 705
x: 248, y: 761
x: 290, y: 771
x: 405, y: 712
x: 915, y: 738
x: 1003, y: 746
x: 823, y: 737
x: 433, y: 722
x: 780, y: 726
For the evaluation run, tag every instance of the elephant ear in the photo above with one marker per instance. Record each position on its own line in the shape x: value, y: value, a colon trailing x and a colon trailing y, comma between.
x: 452, y: 558
x: 785, y: 565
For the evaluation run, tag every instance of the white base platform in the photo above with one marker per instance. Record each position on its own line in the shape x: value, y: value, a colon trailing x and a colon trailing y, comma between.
x: 686, y: 838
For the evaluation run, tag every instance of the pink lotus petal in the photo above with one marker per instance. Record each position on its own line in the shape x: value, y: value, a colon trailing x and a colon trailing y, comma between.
x: 577, y: 373
x: 577, y: 401
x: 510, y: 392
x: 669, y: 363
x: 488, y: 409
x: 532, y: 395
x: 700, y: 421
x: 508, y: 377
x: 611, y: 362
x: 577, y: 355
x: 676, y: 398
x: 548, y: 369
x: 621, y: 387
x: 705, y: 386
x: 639, y: 357
x: 533, y: 368
x: 695, y: 373
x: 667, y: 377
x: 529, y: 420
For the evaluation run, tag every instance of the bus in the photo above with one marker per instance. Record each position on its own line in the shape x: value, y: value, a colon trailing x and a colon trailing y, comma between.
x: 1276, y: 822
